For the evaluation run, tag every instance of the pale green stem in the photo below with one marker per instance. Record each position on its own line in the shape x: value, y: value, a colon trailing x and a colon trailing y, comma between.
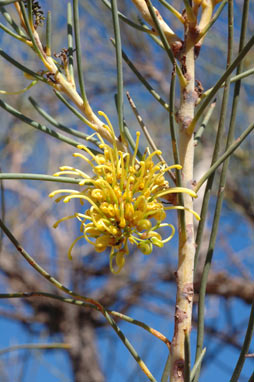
x: 35, y: 347
x: 73, y: 301
x: 47, y: 178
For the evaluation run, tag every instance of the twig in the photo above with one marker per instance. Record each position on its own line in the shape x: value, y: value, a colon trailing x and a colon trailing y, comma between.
x: 166, y: 43
x: 78, y: 51
x: 143, y: 80
x: 245, y: 347
x: 53, y: 345
x: 84, y: 304
x: 197, y: 364
x: 146, y: 132
x: 219, y: 83
x: 222, y: 182
x: 227, y: 153
x: 62, y: 127
x: 37, y: 125
x: 119, y: 66
x: 206, y: 120
x: 47, y: 178
x: 96, y: 304
x: 187, y: 360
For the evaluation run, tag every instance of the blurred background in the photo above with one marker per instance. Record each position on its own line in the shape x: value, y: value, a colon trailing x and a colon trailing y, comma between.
x: 145, y: 289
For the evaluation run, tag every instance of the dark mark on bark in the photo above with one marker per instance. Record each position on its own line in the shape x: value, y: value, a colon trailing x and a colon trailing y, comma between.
x: 188, y: 292
x: 178, y: 368
x: 180, y: 315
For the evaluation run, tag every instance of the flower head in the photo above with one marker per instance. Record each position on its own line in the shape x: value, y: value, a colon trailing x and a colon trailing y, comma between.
x: 124, y: 196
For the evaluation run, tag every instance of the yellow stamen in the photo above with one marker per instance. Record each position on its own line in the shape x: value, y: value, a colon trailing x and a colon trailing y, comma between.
x: 68, y: 198
x: 157, y: 152
x: 136, y: 149
x: 72, y: 245
x: 85, y: 159
x: 109, y: 127
x: 98, y: 136
x: 172, y: 234
x: 183, y: 208
x: 175, y: 190
x: 177, y: 166
x: 55, y: 225
x: 66, y: 191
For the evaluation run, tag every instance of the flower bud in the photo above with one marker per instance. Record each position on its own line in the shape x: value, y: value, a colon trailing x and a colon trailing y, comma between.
x: 141, y: 203
x: 144, y: 225
x: 145, y: 247
x: 97, y: 194
x: 159, y: 215
x: 129, y: 211
x: 157, y: 242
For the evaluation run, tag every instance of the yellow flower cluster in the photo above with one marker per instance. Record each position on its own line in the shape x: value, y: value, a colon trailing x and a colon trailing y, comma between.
x: 124, y: 200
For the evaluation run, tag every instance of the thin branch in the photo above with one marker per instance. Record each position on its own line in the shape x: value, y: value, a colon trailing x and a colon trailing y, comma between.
x: 70, y: 41
x: 147, y: 134
x: 165, y: 43
x: 74, y: 111
x: 143, y: 80
x: 21, y: 67
x: 227, y: 153
x: 30, y: 31
x: 219, y: 83
x: 218, y: 140
x: 222, y: 182
x: 189, y: 11
x: 205, y: 122
x: 73, y: 301
x: 50, y: 346
x: 204, y: 31
x: 172, y: 10
x: 37, y: 125
x: 49, y: 34
x: 42, y: 177
x: 172, y: 38
x: 62, y: 127
x: 142, y: 28
x: 7, y: 2
x: 96, y: 304
x: 245, y: 347
x: 187, y: 359
x: 12, y: 23
x: 175, y: 148
x: 197, y: 364
x: 240, y: 76
x: 119, y: 66
x: 11, y: 33
x: 78, y: 50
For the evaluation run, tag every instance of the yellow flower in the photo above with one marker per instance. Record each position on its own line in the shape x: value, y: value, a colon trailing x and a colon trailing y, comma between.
x: 124, y: 196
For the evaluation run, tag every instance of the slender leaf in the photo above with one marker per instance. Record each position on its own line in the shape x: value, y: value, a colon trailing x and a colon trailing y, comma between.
x: 128, y: 21
x: 118, y: 46
x: 62, y: 127
x: 143, y: 80
x: 70, y: 40
x: 78, y: 50
x: 245, y: 347
x: 22, y: 67
x: 38, y: 126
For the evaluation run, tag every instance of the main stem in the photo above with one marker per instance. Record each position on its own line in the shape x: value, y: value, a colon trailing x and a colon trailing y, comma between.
x: 186, y: 251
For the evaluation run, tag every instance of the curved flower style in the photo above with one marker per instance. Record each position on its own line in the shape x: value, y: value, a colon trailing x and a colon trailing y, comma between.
x: 124, y: 200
